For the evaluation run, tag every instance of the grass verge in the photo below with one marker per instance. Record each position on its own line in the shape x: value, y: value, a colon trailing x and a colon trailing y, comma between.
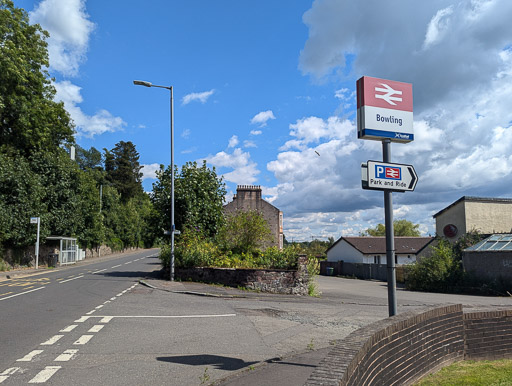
x: 472, y: 373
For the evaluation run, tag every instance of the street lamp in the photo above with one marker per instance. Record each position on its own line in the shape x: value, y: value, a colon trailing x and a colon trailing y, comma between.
x: 173, y: 230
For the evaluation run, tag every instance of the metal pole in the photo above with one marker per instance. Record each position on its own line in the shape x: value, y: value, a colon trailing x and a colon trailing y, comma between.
x: 37, y: 242
x: 390, y: 239
x: 172, y: 187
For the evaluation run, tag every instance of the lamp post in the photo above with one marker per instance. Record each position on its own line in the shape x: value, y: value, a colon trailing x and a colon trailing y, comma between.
x: 149, y: 84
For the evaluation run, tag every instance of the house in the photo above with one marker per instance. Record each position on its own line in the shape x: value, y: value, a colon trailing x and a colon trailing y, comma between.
x: 372, y: 250
x: 248, y: 198
x: 481, y: 214
x: 490, y: 259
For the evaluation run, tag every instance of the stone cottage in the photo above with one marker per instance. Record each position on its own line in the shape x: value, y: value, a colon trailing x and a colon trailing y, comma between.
x: 248, y: 198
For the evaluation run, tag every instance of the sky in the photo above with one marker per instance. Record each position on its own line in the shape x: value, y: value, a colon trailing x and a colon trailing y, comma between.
x: 264, y: 91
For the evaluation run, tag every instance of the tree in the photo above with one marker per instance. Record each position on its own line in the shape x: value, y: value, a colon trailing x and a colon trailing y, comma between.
x: 123, y: 170
x: 244, y: 232
x: 400, y: 228
x: 88, y: 159
x: 199, y: 197
x: 30, y: 119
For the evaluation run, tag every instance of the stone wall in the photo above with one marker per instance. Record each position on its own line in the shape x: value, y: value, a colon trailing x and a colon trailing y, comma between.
x: 401, y: 349
x: 266, y: 280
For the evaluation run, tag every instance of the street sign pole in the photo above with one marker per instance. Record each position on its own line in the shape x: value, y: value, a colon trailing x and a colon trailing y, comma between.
x: 36, y: 220
x: 390, y: 239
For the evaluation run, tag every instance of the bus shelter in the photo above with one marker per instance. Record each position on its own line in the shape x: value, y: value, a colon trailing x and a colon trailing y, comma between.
x: 67, y: 249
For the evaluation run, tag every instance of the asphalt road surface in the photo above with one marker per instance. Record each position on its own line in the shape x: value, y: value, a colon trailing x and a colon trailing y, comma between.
x: 96, y: 324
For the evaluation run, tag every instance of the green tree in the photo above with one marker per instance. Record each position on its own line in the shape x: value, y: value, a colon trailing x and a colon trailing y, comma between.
x: 88, y: 159
x: 244, y: 232
x: 30, y: 119
x: 199, y: 197
x: 400, y: 228
x: 123, y: 170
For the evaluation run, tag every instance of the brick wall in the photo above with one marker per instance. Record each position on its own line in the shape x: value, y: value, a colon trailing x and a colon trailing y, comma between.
x: 401, y: 349
x: 266, y: 280
x: 488, y: 334
x: 395, y: 351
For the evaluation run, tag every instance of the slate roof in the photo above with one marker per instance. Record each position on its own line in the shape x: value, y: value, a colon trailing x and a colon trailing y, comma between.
x: 377, y: 245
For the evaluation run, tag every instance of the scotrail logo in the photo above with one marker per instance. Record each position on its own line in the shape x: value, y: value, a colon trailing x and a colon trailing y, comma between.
x: 388, y: 172
x: 388, y: 95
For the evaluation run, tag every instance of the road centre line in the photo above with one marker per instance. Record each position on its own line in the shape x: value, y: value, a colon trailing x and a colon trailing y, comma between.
x: 96, y: 328
x: 30, y: 356
x: 115, y: 266
x: 83, y: 339
x: 74, y: 278
x: 7, y: 373
x: 101, y: 270
x: 52, y: 340
x: 22, y: 293
x: 69, y: 328
x: 45, y: 374
x: 66, y: 356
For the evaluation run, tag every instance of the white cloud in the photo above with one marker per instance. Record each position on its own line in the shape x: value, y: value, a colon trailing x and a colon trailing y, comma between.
x: 185, y: 134
x: 262, y: 117
x: 69, y: 27
x: 149, y: 171
x: 438, y: 27
x: 457, y: 56
x: 197, y: 96
x: 86, y: 125
x: 256, y: 132
x: 249, y: 144
x: 244, y: 170
x: 233, y: 141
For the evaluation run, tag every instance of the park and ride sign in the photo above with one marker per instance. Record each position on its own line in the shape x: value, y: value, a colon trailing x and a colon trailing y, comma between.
x: 384, y: 110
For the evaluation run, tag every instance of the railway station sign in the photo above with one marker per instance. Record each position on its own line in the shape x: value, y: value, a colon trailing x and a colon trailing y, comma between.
x: 384, y: 110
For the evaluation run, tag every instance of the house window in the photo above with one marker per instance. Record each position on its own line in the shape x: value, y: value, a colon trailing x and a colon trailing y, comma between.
x: 396, y: 259
x: 376, y: 259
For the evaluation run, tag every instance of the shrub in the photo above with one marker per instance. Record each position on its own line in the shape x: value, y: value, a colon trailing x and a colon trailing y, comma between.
x: 4, y: 266
x: 195, y: 250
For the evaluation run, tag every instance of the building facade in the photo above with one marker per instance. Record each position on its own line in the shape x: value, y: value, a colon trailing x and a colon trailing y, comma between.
x: 248, y: 198
x: 372, y: 250
x: 467, y: 214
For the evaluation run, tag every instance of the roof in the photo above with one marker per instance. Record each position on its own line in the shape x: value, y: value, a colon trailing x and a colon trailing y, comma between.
x: 476, y: 199
x: 373, y: 245
x: 497, y: 242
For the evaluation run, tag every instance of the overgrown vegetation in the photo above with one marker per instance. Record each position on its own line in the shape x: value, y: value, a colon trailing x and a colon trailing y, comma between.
x: 443, y: 271
x: 468, y: 373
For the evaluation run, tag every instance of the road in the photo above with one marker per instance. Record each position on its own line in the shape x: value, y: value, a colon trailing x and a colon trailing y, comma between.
x: 97, y: 325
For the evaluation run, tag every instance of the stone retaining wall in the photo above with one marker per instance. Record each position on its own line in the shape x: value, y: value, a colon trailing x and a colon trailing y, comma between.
x: 266, y: 280
x: 401, y: 349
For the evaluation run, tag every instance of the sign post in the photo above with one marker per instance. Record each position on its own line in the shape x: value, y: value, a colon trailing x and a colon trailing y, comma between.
x: 36, y: 220
x: 384, y: 113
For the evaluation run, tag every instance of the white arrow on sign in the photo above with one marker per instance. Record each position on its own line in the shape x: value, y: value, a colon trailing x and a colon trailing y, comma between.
x: 388, y: 96
x: 378, y: 175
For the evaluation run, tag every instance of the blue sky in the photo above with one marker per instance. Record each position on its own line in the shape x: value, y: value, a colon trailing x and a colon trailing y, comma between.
x: 261, y: 88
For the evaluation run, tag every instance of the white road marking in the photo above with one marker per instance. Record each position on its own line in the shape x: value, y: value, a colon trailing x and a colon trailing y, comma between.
x: 45, y: 374
x: 82, y: 319
x: 73, y: 278
x: 100, y: 306
x: 106, y: 319
x: 96, y: 328
x: 115, y: 266
x: 7, y: 373
x: 52, y: 340
x: 129, y: 262
x: 90, y: 312
x: 22, y: 293
x: 101, y: 270
x: 66, y: 356
x: 114, y: 298
x: 83, y: 339
x: 164, y: 316
x: 69, y: 328
x: 119, y: 294
x: 30, y: 356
